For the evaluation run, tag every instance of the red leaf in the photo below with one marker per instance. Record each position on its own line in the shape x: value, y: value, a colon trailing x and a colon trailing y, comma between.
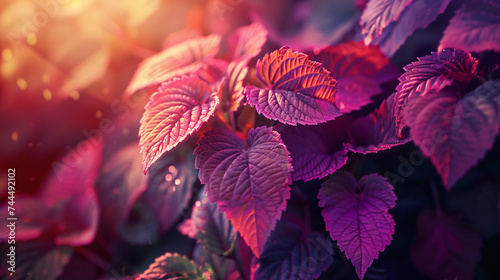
x: 356, y: 215
x: 445, y: 247
x: 176, y: 110
x: 188, y: 57
x: 248, y: 179
x: 295, y: 89
x: 359, y: 71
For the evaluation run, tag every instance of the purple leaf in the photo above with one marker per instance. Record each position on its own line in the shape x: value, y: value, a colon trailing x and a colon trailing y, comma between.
x: 454, y: 131
x: 316, y: 151
x: 248, y: 179
x: 188, y: 57
x: 289, y: 254
x: 247, y: 41
x: 388, y: 23
x: 176, y: 110
x: 169, y: 189
x: 120, y: 184
x: 211, y: 227
x: 173, y: 266
x: 456, y: 65
x: 294, y: 89
x: 356, y: 215
x: 359, y: 71
x: 475, y: 27
x: 445, y: 247
x: 377, y: 131
x: 231, y: 87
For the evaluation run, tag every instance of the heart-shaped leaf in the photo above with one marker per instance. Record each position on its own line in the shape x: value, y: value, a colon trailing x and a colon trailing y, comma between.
x: 356, y: 215
x: 176, y: 110
x: 294, y: 89
x: 454, y: 131
x: 456, y: 65
x: 475, y: 27
x: 248, y: 179
x: 188, y: 57
x: 388, y: 23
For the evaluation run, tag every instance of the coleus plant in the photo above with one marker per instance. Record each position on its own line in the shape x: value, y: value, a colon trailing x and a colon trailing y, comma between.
x: 308, y: 100
x: 256, y: 120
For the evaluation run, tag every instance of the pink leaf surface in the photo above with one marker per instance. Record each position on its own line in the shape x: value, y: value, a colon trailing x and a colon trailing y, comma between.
x: 176, y: 110
x: 454, y: 131
x: 377, y: 131
x: 231, y: 87
x: 475, y: 27
x: 359, y: 71
x: 456, y: 65
x: 389, y: 23
x: 247, y: 41
x: 356, y: 215
x: 248, y: 179
x: 294, y: 89
x: 445, y: 247
x: 188, y: 57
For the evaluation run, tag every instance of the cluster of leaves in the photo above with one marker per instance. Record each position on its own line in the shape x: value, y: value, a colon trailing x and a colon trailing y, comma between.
x: 254, y: 121
x: 247, y: 172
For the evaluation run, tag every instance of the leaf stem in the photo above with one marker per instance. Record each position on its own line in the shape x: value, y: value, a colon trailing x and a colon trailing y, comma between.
x: 235, y: 257
x: 435, y: 196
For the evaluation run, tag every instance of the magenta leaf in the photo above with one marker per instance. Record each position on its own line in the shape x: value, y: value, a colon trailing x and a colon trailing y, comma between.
x: 173, y: 266
x: 316, y: 151
x: 377, y: 131
x: 210, y: 227
x: 445, y: 247
x: 294, y: 89
x: 120, y: 184
x: 356, y: 215
x: 388, y: 23
x: 359, y: 71
x: 231, y: 87
x: 289, y: 254
x: 170, y: 185
x: 454, y: 131
x: 456, y: 65
x: 176, y: 110
x: 188, y: 57
x: 247, y: 41
x: 475, y: 27
x: 248, y: 179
